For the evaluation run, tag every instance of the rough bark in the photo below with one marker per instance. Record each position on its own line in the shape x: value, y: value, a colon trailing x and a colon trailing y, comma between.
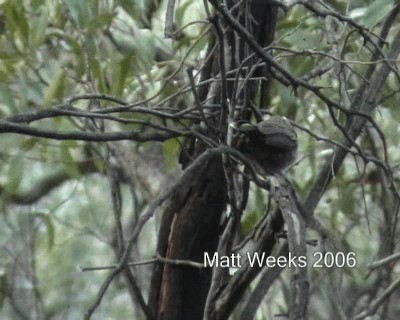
x: 189, y: 228
x: 191, y: 222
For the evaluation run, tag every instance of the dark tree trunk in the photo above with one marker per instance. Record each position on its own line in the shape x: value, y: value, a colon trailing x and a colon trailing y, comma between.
x: 191, y: 222
x: 190, y: 227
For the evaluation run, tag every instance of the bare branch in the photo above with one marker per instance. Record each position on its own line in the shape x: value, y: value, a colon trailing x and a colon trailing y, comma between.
x: 141, y: 136
x: 373, y: 307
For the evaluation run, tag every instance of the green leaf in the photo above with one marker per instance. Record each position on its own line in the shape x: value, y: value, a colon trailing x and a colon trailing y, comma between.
x: 304, y: 39
x: 16, y: 20
x: 172, y: 148
x: 98, y: 73
x: 120, y: 75
x: 7, y: 99
x: 101, y: 21
x: 79, y: 10
x: 145, y: 49
x: 68, y: 160
x: 250, y: 221
x: 260, y: 198
x: 339, y: 5
x: 48, y: 222
x: 347, y: 199
x: 37, y: 3
x: 55, y: 92
x: 29, y: 143
x: 376, y: 12
x: 39, y: 27
x: 180, y: 13
x: 15, y: 173
x: 91, y: 50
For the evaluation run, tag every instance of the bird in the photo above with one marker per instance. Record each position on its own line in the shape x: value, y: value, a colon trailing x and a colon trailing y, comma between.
x: 270, y: 144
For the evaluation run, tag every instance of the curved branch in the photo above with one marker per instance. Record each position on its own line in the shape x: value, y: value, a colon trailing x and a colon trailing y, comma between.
x: 47, y: 184
x: 140, y: 136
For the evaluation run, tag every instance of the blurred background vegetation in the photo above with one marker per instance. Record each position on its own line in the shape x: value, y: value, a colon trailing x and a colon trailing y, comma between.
x: 55, y: 201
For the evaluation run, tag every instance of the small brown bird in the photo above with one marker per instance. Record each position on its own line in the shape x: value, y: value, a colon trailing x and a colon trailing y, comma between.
x: 271, y: 144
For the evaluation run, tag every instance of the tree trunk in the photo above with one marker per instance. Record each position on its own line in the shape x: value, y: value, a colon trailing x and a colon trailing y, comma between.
x: 191, y: 222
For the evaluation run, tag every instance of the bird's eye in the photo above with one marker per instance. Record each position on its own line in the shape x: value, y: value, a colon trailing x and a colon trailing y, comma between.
x: 235, y: 132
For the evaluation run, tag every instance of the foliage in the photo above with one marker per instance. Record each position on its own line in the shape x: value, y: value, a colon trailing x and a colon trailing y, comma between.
x: 58, y: 196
